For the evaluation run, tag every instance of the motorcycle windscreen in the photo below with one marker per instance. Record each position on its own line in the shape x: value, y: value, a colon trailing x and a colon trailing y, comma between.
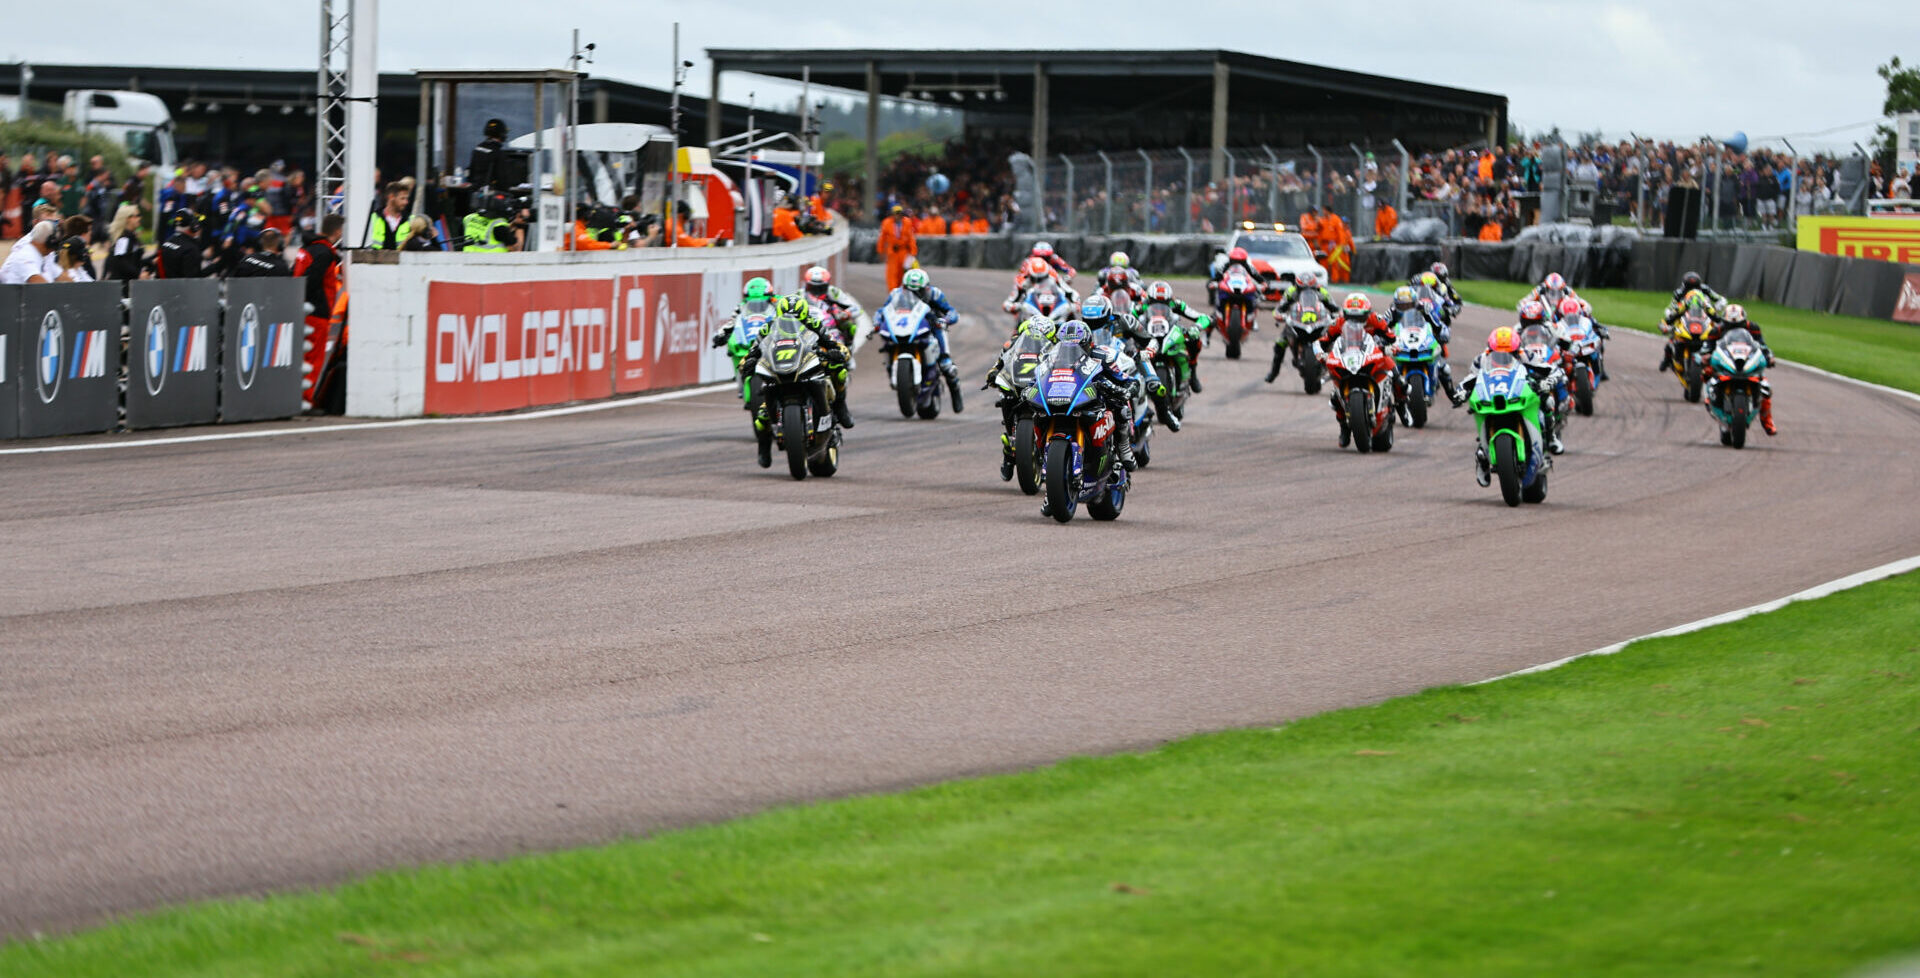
x: 1064, y: 379
x: 1023, y: 358
x: 748, y: 329
x: 1503, y: 376
x: 903, y: 314
x: 1537, y: 343
x: 1739, y: 347
x: 786, y: 345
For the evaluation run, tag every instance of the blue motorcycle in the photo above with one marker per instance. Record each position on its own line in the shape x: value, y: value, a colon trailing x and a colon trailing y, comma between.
x: 906, y: 339
x: 1079, y: 463
x: 1417, y: 353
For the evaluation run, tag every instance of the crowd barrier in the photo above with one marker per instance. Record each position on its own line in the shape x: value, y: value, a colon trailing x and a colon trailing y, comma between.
x: 443, y: 334
x: 1743, y: 270
x: 1170, y: 254
x: 93, y: 357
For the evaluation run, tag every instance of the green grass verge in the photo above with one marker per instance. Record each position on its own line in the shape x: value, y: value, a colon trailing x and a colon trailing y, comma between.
x: 1873, y: 350
x: 1740, y: 800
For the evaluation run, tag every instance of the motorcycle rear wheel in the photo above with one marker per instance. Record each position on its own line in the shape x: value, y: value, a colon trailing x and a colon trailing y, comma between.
x: 1109, y: 505
x: 1506, y: 453
x: 1026, y: 462
x: 1535, y: 492
x: 1692, y: 380
x: 1583, y: 390
x: 793, y: 435
x: 1359, y: 422
x: 1417, y: 399
x: 1063, y: 496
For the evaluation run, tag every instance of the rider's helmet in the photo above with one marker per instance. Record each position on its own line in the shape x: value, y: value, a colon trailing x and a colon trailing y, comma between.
x: 1237, y: 254
x: 1430, y: 280
x: 1690, y: 281
x: 1440, y: 269
x: 1035, y: 268
x: 1307, y: 280
x: 1042, y: 250
x: 1696, y: 301
x: 1160, y: 292
x: 1735, y: 315
x: 1118, y: 259
x: 818, y: 280
x: 1571, y: 306
x: 1554, y: 283
x: 758, y: 290
x: 1357, y: 307
x: 1096, y: 310
x: 1506, y: 339
x: 794, y: 306
x: 914, y: 280
x: 1403, y: 299
x: 1532, y: 311
x: 1043, y: 327
x: 1074, y: 332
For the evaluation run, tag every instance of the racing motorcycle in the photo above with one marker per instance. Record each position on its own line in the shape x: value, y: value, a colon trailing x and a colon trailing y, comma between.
x: 830, y: 324
x: 1017, y: 365
x: 1237, y: 296
x: 1078, y: 463
x: 748, y: 324
x: 1689, y: 334
x: 1362, y: 374
x: 1584, y: 349
x: 1046, y: 300
x: 1539, y: 348
x: 1302, y: 331
x: 912, y: 354
x: 796, y: 398
x: 1735, y: 385
x: 1166, y: 354
x: 1417, y: 352
x: 1507, y: 411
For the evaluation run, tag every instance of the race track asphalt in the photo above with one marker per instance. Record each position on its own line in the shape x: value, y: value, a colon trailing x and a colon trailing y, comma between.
x: 234, y: 667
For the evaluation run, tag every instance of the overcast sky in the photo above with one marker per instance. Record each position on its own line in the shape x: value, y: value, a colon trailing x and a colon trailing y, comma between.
x: 1666, y: 69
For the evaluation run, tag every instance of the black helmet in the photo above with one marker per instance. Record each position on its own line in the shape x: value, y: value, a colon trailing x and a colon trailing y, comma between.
x: 496, y: 129
x: 496, y: 205
x: 1691, y: 280
x: 187, y: 220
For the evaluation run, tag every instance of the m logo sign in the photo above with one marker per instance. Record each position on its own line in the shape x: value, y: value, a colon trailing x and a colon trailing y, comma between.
x: 1907, y: 310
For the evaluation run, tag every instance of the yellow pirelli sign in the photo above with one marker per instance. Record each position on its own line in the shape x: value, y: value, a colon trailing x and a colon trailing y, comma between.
x: 1895, y: 239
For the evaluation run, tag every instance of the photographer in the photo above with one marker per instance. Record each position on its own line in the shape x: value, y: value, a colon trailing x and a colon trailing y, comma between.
x: 490, y: 229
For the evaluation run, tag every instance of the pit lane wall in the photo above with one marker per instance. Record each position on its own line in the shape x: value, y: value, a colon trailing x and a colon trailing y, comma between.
x: 451, y: 333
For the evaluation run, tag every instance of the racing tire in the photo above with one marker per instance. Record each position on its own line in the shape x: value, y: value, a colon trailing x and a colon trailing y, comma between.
x: 1692, y: 378
x: 931, y: 409
x: 1062, y: 499
x: 1312, y: 381
x: 827, y: 464
x: 1235, y: 329
x: 1583, y: 390
x: 1537, y: 491
x: 1725, y: 437
x: 1026, y: 461
x: 1737, y: 428
x: 1417, y: 400
x: 793, y: 437
x: 1383, y: 442
x: 904, y: 388
x: 1357, y: 424
x: 1108, y: 506
x: 1507, y: 466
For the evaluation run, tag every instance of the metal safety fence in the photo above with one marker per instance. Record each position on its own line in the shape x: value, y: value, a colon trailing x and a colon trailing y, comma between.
x: 1181, y: 191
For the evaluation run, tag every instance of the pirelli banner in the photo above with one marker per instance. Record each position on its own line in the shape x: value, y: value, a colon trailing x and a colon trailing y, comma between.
x: 442, y: 334
x: 173, y: 356
x: 1893, y: 239
x: 260, y: 361
x: 70, y: 368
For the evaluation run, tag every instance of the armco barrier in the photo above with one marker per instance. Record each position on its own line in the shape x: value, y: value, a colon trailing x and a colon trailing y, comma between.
x: 260, y: 364
x: 439, y: 333
x: 173, y: 353
x: 71, y: 371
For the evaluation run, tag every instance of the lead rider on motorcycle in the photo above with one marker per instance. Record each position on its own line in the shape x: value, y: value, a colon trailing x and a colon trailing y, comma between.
x: 1734, y: 318
x: 834, y: 355
x: 1115, y: 384
x: 1506, y: 340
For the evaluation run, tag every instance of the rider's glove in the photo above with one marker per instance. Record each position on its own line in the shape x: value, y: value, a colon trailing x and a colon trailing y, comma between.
x: 719, y: 340
x: 951, y: 318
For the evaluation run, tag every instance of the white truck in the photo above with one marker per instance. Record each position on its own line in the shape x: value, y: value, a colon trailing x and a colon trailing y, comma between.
x: 138, y: 121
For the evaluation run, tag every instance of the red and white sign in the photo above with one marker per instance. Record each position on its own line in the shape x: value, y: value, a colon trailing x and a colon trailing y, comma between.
x: 504, y: 345
x: 1907, y: 310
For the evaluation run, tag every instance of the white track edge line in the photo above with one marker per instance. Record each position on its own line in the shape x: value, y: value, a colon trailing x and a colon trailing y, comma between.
x: 1849, y: 582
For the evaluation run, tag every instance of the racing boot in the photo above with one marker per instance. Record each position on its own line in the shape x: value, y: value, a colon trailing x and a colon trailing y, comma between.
x: 1482, y: 472
x: 1167, y: 417
x: 1446, y: 384
x: 1279, y: 358
x: 952, y: 373
x: 1766, y: 416
x: 1553, y: 443
x: 1006, y: 459
x: 1340, y: 416
x: 1666, y: 359
x: 1193, y: 366
x: 840, y: 412
x: 1123, y: 440
x: 765, y: 439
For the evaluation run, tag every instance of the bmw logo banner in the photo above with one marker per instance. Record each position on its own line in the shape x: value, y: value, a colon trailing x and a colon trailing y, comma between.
x: 69, y: 359
x: 173, y: 375
x: 10, y: 372
x: 261, y: 334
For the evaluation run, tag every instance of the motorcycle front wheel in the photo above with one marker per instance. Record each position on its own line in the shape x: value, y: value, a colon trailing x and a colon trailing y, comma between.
x: 1583, y: 390
x: 1063, y: 497
x: 1026, y: 461
x: 1359, y: 421
x: 793, y: 435
x: 1417, y: 399
x: 1506, y: 453
x: 904, y: 388
x: 1737, y: 426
